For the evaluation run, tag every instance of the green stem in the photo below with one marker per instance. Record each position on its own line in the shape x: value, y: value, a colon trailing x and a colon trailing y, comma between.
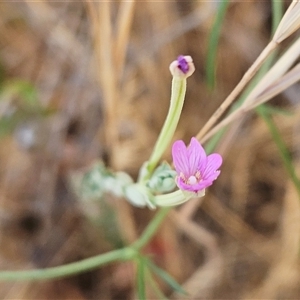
x: 151, y: 229
x: 140, y: 276
x: 169, y: 127
x: 70, y: 269
x: 91, y: 263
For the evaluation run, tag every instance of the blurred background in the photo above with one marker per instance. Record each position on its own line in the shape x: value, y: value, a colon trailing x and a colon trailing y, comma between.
x: 87, y: 81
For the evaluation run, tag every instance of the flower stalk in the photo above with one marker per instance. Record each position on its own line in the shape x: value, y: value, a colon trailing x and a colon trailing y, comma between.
x: 182, y: 68
x: 169, y: 127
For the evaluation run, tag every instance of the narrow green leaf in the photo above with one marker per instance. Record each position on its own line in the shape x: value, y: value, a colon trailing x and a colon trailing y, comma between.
x: 277, y: 13
x: 283, y: 150
x: 213, y: 43
x: 160, y: 295
x: 270, y: 109
x: 166, y: 277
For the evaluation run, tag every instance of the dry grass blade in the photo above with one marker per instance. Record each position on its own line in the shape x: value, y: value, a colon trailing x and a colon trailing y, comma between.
x: 279, y: 68
x: 124, y: 22
x: 289, y: 23
x: 258, y: 95
x: 102, y: 34
x: 108, y: 76
x: 237, y: 90
x: 242, y: 242
x: 278, y: 86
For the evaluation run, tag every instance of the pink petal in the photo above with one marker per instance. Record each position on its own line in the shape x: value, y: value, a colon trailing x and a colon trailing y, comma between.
x: 180, y: 158
x: 196, y: 155
x: 213, y: 163
x: 213, y: 176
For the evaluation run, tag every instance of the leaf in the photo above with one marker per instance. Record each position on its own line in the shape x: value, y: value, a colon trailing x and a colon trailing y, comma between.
x: 155, y: 287
x: 166, y: 277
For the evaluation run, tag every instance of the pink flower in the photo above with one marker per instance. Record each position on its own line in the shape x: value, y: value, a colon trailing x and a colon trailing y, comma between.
x: 195, y: 170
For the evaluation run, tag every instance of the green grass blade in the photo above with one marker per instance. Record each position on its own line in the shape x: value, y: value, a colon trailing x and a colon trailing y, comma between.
x: 283, y: 150
x: 277, y: 13
x: 159, y: 294
x: 213, y: 43
x: 166, y: 277
x: 277, y: 110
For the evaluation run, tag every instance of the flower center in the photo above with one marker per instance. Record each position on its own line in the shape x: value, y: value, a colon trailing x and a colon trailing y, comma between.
x: 191, y: 180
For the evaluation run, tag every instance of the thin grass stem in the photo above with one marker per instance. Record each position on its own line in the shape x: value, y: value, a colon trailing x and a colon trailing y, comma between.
x: 213, y: 44
x: 283, y: 150
x: 237, y: 90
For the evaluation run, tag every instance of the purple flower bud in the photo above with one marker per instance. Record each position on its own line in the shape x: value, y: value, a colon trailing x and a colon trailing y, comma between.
x: 182, y: 67
x: 182, y: 64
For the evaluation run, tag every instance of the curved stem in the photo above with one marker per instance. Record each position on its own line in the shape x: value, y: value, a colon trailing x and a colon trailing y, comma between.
x: 169, y: 127
x: 72, y: 268
x: 91, y: 263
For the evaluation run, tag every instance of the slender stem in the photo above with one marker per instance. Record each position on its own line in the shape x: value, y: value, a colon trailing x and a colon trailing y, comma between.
x: 151, y: 229
x: 91, y: 263
x: 72, y: 268
x: 169, y: 127
x: 140, y: 278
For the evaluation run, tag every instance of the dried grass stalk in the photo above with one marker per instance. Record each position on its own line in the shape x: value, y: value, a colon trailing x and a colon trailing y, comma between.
x: 288, y: 25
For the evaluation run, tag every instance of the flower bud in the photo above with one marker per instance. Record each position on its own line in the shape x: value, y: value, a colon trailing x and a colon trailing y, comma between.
x: 183, y: 67
x: 163, y: 179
